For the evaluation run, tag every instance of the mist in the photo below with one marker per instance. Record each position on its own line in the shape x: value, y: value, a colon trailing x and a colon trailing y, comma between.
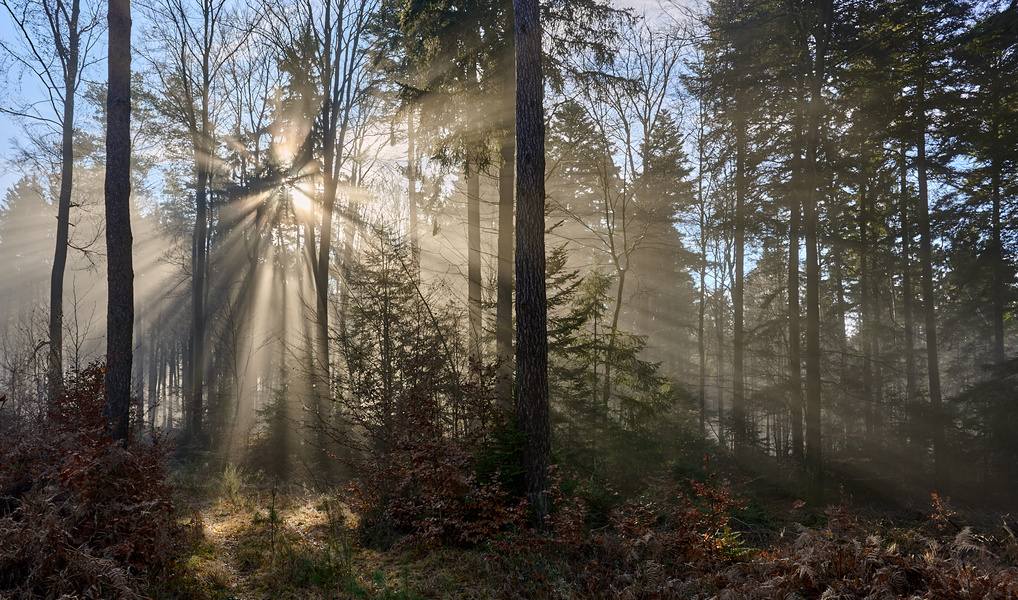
x: 752, y: 255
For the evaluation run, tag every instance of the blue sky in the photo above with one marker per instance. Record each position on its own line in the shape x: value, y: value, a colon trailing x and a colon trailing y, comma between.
x: 10, y: 129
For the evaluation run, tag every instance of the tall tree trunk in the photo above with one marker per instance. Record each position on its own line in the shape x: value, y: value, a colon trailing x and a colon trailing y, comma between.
x: 199, y: 254
x: 799, y: 197
x: 120, y: 268
x: 55, y: 374
x: 701, y: 341
x: 411, y: 173
x: 719, y: 330
x: 473, y: 176
x: 738, y: 289
x: 153, y: 372
x: 506, y: 186
x: 813, y: 460
x: 866, y: 329
x: 911, y: 383
x: 794, y: 325
x: 321, y: 392
x: 997, y: 254
x: 504, y: 307
x: 929, y: 301
x: 606, y: 384
x: 531, y: 299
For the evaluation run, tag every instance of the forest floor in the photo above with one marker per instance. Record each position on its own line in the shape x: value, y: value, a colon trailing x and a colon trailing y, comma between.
x: 250, y: 541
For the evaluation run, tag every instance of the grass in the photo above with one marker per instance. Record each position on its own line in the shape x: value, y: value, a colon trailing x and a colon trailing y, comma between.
x: 251, y: 540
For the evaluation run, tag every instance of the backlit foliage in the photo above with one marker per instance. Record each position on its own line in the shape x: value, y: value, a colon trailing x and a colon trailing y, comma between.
x: 79, y: 514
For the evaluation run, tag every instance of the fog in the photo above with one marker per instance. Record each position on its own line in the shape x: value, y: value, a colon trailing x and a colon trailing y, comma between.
x: 329, y: 190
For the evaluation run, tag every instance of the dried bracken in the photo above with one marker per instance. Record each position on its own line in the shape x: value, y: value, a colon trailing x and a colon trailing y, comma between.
x: 84, y: 517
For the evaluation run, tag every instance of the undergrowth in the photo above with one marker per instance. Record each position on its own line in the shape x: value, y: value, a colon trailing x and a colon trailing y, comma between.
x: 434, y: 515
x: 81, y: 515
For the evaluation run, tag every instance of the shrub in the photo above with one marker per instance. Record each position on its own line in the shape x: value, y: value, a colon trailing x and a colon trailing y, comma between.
x: 83, y: 516
x: 426, y: 480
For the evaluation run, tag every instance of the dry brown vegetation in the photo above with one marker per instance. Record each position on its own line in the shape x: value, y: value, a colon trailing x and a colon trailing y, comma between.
x: 675, y: 541
x: 81, y: 517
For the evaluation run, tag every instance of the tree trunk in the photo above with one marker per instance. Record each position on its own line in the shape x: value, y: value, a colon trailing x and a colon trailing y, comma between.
x: 473, y: 176
x: 199, y: 253
x: 813, y: 461
x: 866, y: 329
x: 738, y: 289
x: 906, y: 288
x: 504, y: 307
x: 794, y: 324
x: 701, y: 341
x: 531, y: 299
x: 55, y: 373
x: 929, y: 301
x: 999, y: 263
x: 411, y: 173
x: 120, y: 269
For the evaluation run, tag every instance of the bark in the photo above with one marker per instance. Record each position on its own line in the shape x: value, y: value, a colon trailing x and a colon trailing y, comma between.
x: 738, y: 295
x: 719, y: 330
x: 69, y: 55
x: 999, y: 290
x: 474, y: 257
x: 606, y: 386
x: 906, y: 286
x: 794, y: 318
x: 120, y: 269
x: 411, y: 173
x: 929, y: 301
x: 506, y: 186
x: 701, y: 325
x: 531, y: 299
x: 199, y: 254
x: 866, y: 309
x: 153, y: 372
x: 504, y: 307
x: 813, y: 460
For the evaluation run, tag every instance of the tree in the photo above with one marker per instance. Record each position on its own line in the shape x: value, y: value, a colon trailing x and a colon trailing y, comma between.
x: 986, y: 127
x: 195, y: 52
x: 531, y: 301
x: 120, y: 269
x: 57, y: 52
x: 619, y: 173
x: 813, y: 459
x: 932, y: 31
x: 324, y: 50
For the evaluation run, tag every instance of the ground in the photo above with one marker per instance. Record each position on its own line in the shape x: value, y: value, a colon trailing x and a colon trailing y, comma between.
x: 249, y: 539
x: 253, y: 541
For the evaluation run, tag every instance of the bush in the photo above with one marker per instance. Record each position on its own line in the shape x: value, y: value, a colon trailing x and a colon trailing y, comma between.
x: 430, y: 482
x: 82, y: 515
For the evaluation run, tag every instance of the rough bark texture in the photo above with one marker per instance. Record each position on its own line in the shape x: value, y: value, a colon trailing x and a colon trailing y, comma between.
x: 120, y: 268
x: 531, y: 300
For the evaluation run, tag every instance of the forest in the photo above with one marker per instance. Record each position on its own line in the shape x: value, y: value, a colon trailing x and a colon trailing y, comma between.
x: 509, y: 299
